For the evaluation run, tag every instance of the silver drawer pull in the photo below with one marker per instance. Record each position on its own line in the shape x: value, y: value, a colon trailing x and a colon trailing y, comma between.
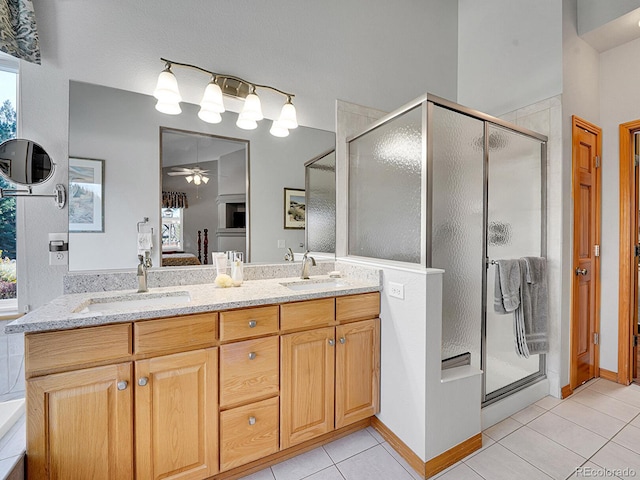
x: 252, y: 355
x: 252, y: 323
x: 252, y: 420
x: 142, y: 381
x: 122, y: 385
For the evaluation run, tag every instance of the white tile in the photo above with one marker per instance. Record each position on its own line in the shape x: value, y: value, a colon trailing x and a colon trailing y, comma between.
x: 379, y: 438
x: 461, y: 472
x: 502, y: 429
x: 552, y: 458
x: 548, y: 402
x: 525, y: 415
x: 350, y: 445
x: 605, y: 404
x: 302, y: 465
x: 626, y: 393
x: 617, y: 458
x: 373, y: 464
x: 629, y: 437
x: 331, y: 473
x: 589, y: 418
x: 568, y: 434
x: 265, y: 474
x: 401, y: 461
x: 498, y: 463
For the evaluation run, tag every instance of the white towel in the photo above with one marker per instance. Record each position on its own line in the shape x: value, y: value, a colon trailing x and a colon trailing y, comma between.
x: 145, y: 242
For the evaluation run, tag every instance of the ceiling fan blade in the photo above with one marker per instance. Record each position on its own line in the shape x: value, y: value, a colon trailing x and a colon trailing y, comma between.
x: 179, y: 173
x: 182, y: 169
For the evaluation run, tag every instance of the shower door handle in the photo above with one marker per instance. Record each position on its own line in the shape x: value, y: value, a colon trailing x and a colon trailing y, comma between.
x: 581, y: 271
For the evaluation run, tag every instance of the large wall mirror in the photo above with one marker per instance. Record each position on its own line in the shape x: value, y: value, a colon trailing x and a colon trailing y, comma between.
x: 123, y: 131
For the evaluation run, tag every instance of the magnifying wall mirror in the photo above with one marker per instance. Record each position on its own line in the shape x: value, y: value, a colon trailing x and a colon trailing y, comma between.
x: 24, y: 162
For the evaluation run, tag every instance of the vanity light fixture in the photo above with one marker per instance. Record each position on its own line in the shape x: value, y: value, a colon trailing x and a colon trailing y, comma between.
x: 212, y: 105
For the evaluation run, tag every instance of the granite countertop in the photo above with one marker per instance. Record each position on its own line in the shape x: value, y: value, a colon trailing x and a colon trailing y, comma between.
x: 70, y: 311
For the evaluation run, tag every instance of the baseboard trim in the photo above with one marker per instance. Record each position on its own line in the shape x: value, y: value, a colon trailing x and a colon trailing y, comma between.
x: 436, y: 464
x: 399, y: 446
x: 609, y: 375
x: 453, y: 455
x: 257, y: 465
x: 567, y: 390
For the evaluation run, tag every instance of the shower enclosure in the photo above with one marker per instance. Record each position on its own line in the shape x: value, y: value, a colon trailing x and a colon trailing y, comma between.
x: 439, y: 185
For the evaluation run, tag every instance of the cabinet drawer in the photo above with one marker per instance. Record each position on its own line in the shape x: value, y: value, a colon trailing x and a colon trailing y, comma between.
x: 51, y: 351
x: 308, y: 314
x: 248, y: 433
x: 248, y: 322
x: 358, y: 307
x: 188, y: 332
x: 249, y: 370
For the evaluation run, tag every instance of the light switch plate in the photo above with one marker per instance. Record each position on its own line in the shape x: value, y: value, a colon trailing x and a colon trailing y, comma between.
x: 396, y: 290
x: 281, y: 244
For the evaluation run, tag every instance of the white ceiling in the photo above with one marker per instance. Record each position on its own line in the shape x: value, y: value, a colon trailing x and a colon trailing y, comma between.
x: 183, y: 148
x: 606, y: 25
x: 375, y: 53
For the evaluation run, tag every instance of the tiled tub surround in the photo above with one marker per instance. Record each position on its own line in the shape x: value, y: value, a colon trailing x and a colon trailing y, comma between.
x: 64, y: 311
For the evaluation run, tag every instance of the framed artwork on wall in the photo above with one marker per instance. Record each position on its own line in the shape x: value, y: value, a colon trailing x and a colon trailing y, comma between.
x: 294, y: 208
x: 86, y: 195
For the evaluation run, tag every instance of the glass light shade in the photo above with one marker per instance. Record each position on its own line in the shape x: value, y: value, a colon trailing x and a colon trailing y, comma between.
x: 288, y: 118
x: 252, y: 109
x: 205, y: 179
x: 167, y: 88
x: 246, y: 123
x: 209, y: 116
x: 170, y: 108
x: 277, y: 130
x: 189, y: 179
x: 212, y: 99
x: 197, y: 179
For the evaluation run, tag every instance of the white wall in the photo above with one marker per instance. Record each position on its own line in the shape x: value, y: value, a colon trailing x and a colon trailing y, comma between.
x: 232, y: 173
x: 509, y: 53
x: 318, y: 50
x: 593, y: 14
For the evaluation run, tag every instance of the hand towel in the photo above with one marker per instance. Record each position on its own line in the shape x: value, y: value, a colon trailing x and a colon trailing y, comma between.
x: 507, y: 286
x: 535, y: 304
x: 145, y: 242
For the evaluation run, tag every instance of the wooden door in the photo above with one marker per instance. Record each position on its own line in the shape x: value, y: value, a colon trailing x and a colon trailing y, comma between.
x: 176, y: 416
x: 307, y: 385
x: 357, y: 371
x: 80, y: 425
x: 586, y: 241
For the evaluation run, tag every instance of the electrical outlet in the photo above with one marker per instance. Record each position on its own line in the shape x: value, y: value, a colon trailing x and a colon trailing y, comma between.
x: 281, y: 244
x: 396, y: 290
x: 58, y: 258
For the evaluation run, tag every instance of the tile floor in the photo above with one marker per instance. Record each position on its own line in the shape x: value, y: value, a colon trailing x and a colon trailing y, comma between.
x: 597, y: 429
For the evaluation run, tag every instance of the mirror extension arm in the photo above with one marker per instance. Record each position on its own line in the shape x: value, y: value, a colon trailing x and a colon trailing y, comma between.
x: 59, y: 195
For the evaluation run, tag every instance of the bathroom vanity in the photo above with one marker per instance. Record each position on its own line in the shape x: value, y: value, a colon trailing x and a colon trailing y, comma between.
x: 220, y: 385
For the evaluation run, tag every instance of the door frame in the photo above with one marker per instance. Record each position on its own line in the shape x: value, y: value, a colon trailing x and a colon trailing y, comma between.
x: 579, y: 123
x: 628, y: 285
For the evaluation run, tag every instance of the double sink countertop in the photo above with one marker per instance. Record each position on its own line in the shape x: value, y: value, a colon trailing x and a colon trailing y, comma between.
x: 118, y: 306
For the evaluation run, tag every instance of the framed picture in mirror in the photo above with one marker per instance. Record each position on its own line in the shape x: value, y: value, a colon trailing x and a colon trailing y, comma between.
x: 294, y: 208
x: 86, y: 195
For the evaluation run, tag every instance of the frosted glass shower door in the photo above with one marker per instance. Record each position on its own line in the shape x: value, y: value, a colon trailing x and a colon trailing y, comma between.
x: 514, y: 229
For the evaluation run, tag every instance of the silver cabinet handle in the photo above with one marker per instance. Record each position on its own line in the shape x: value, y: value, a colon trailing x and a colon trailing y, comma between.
x: 581, y: 271
x: 252, y: 323
x: 252, y: 420
x: 142, y: 381
x: 332, y: 342
x: 343, y: 340
x: 252, y: 355
x: 122, y: 385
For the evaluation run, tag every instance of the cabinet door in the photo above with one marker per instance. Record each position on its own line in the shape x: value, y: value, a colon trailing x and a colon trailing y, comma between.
x: 357, y: 371
x: 176, y: 416
x: 80, y: 424
x: 307, y: 388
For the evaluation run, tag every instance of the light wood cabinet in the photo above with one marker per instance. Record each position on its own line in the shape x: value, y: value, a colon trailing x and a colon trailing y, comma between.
x: 80, y: 424
x: 176, y: 404
x: 306, y: 392
x: 357, y: 371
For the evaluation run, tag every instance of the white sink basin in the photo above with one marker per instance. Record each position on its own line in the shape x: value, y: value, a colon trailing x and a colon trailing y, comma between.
x: 322, y: 284
x: 135, y: 301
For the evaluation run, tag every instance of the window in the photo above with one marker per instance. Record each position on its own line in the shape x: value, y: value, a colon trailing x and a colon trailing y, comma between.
x: 172, y: 229
x: 8, y: 130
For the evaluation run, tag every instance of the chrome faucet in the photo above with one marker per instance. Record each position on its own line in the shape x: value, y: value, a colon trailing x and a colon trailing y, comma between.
x: 289, y: 256
x: 305, y: 265
x: 142, y: 275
